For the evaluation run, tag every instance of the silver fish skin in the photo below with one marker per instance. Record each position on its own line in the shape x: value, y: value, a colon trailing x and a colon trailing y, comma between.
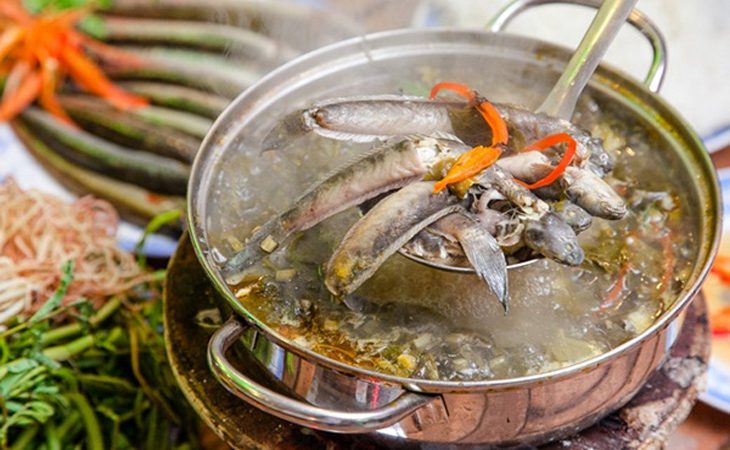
x: 592, y: 193
x: 553, y: 238
x: 363, y: 119
x: 381, y: 170
x: 588, y: 190
x: 532, y: 126
x: 382, y: 231
x: 378, y: 117
x: 482, y: 251
x: 526, y: 166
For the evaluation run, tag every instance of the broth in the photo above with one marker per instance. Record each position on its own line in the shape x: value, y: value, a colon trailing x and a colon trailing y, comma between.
x: 413, y: 321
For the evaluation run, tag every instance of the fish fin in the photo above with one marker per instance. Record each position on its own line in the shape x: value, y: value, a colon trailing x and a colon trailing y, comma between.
x: 370, y: 98
x: 347, y: 136
x: 446, y: 136
x: 286, y: 131
x: 488, y: 261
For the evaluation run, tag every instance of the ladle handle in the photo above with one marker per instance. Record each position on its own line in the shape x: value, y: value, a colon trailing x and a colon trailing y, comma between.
x: 294, y: 410
x: 654, y: 78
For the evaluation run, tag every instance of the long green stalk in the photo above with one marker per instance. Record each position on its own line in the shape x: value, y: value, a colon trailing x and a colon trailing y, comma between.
x: 154, y: 172
x: 67, y: 351
x: 74, y: 329
x: 64, y: 429
x: 94, y: 439
x: 191, y: 124
x: 107, y: 383
x: 52, y: 437
x: 130, y: 129
x: 22, y: 442
x: 134, y: 202
x: 273, y: 16
x: 221, y: 38
x: 197, y: 69
x: 178, y: 97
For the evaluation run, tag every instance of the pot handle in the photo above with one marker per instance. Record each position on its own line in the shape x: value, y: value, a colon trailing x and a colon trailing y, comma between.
x: 294, y: 410
x: 637, y: 19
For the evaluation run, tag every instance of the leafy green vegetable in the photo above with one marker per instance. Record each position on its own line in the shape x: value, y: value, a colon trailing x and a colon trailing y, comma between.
x: 154, y: 225
x: 98, y: 380
x: 52, y: 303
x: 36, y: 6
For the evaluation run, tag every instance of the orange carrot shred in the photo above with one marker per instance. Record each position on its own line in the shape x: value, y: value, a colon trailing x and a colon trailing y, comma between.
x: 17, y: 101
x: 9, y: 39
x: 546, y: 143
x: 468, y: 165
x: 495, y: 121
x: 12, y: 9
x: 105, y: 52
x: 91, y: 78
x: 48, y: 98
x: 461, y: 89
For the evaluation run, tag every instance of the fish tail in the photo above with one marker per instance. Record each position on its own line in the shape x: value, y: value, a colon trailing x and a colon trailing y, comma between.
x: 487, y: 259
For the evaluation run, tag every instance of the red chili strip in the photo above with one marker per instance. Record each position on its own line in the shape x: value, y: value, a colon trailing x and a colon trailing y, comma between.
x: 546, y: 143
x: 461, y: 89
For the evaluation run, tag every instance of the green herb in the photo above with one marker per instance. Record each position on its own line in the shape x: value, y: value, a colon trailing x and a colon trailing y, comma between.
x: 98, y: 380
x: 154, y: 225
x: 36, y: 6
x: 52, y: 303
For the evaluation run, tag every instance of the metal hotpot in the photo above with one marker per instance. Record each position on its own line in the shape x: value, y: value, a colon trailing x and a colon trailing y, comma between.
x: 326, y: 394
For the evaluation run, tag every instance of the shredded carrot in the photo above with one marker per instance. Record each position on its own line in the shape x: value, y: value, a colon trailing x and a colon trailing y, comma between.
x: 500, y: 136
x: 40, y: 232
x: 13, y: 10
x: 91, y: 78
x: 461, y: 89
x: 544, y: 144
x: 21, y: 98
x: 480, y: 157
x: 468, y: 165
x: 107, y: 53
x: 50, y: 46
x: 48, y: 99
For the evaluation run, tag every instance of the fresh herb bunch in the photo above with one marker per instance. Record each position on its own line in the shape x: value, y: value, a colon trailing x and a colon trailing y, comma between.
x: 98, y: 380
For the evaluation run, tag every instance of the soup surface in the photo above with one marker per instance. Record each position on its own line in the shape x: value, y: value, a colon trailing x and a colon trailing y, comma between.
x: 414, y: 321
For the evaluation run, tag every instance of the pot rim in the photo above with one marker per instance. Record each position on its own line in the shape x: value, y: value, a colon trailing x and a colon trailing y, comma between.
x: 608, y: 77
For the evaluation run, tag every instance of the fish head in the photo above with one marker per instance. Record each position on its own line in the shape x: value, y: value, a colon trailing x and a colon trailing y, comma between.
x: 553, y: 238
x: 575, y: 216
x: 593, y: 194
